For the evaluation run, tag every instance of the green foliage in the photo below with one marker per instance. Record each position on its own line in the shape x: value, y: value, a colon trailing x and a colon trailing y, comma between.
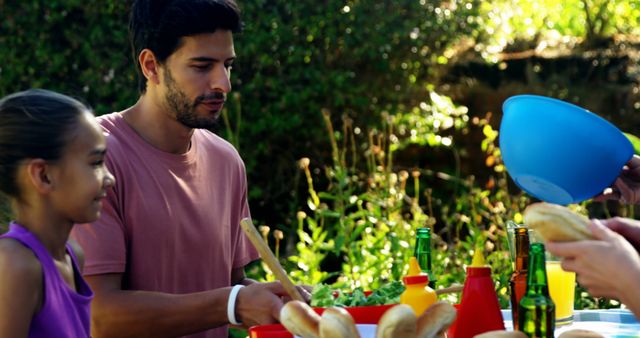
x: 298, y: 57
x: 368, y: 217
x: 426, y: 123
x: 76, y: 47
x: 635, y: 141
x: 524, y: 24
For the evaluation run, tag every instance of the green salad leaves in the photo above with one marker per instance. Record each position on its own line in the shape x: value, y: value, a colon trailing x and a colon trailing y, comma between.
x: 324, y: 296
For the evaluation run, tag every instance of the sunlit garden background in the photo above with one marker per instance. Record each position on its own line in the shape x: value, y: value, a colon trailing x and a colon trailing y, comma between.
x: 360, y: 121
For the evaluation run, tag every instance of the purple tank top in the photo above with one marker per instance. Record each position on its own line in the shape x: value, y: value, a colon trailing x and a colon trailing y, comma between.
x: 64, y: 312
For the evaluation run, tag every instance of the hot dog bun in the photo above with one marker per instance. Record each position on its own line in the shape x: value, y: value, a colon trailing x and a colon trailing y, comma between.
x: 501, y: 334
x: 336, y: 322
x: 399, y: 321
x: 556, y: 223
x: 436, y: 320
x: 580, y: 334
x: 300, y: 319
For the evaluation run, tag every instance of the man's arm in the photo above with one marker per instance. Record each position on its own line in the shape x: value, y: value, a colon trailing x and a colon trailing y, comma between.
x: 124, y: 313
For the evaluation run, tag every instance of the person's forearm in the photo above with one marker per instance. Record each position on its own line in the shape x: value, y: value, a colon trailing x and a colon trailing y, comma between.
x: 123, y: 314
x: 629, y: 293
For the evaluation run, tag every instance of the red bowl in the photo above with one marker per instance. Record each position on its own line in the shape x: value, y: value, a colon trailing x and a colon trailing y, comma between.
x: 363, y: 314
x: 360, y: 314
x: 269, y: 331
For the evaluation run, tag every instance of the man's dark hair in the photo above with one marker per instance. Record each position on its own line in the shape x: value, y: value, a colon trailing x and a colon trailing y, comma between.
x: 160, y: 25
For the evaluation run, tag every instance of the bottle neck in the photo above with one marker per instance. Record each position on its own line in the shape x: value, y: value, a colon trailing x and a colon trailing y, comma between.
x: 537, y: 277
x: 522, y: 249
x: 423, y: 248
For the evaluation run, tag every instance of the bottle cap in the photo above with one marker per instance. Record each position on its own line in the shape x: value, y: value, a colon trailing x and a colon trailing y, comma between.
x: 478, y: 259
x: 424, y: 231
x: 419, y: 279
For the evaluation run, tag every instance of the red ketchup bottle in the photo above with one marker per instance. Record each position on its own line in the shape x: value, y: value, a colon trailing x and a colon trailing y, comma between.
x: 479, y: 309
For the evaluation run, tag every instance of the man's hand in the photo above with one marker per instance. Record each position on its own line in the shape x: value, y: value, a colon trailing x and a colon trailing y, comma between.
x: 259, y: 303
x: 304, y: 290
x: 600, y: 263
x: 626, y: 188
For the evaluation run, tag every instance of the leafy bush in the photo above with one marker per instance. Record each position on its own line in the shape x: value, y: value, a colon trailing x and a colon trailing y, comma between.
x: 362, y: 58
x: 76, y: 47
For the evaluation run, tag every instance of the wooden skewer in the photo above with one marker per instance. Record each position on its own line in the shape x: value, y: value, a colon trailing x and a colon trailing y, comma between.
x: 270, y: 259
x: 451, y: 289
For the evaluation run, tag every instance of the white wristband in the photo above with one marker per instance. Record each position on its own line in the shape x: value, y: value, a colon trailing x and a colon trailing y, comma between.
x: 231, y: 305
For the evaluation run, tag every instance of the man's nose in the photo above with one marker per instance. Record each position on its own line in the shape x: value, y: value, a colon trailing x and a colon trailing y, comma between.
x: 221, y: 79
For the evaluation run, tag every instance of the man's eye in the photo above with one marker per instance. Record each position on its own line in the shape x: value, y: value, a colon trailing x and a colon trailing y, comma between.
x: 201, y: 67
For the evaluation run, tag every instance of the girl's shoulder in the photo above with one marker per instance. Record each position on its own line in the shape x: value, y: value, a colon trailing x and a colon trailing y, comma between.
x: 21, y: 285
x: 18, y: 261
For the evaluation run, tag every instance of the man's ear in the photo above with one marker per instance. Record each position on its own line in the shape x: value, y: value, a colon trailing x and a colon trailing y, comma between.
x: 38, y: 173
x: 149, y: 65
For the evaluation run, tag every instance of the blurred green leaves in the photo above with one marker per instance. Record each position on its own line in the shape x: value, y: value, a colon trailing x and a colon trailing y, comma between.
x: 536, y: 24
x: 635, y: 142
x: 76, y: 47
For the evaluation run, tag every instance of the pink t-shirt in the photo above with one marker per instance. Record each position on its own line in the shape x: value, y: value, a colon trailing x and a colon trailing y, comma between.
x: 171, y: 223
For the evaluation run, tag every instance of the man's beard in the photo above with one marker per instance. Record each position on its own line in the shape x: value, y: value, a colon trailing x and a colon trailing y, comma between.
x: 183, y: 110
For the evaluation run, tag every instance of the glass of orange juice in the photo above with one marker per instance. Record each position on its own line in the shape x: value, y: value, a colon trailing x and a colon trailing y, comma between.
x: 562, y: 288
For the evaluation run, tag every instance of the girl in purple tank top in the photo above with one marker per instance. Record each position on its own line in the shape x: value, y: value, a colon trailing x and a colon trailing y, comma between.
x: 51, y: 167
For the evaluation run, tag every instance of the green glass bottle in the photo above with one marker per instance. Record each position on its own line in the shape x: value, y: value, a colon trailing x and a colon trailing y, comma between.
x: 422, y: 252
x: 518, y: 281
x: 536, y: 311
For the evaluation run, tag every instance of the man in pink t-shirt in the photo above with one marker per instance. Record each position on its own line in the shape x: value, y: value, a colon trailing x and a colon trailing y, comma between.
x: 167, y: 256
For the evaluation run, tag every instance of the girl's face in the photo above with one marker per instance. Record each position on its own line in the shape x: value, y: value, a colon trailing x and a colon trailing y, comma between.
x: 80, y: 179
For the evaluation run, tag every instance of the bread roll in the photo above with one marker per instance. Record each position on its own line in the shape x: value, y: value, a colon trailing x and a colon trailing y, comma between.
x: 397, y: 322
x: 436, y: 320
x: 300, y: 319
x: 580, y: 334
x: 501, y: 334
x: 336, y: 322
x: 557, y: 223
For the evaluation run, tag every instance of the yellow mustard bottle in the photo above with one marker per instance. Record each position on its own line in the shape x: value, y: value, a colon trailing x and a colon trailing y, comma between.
x: 417, y: 293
